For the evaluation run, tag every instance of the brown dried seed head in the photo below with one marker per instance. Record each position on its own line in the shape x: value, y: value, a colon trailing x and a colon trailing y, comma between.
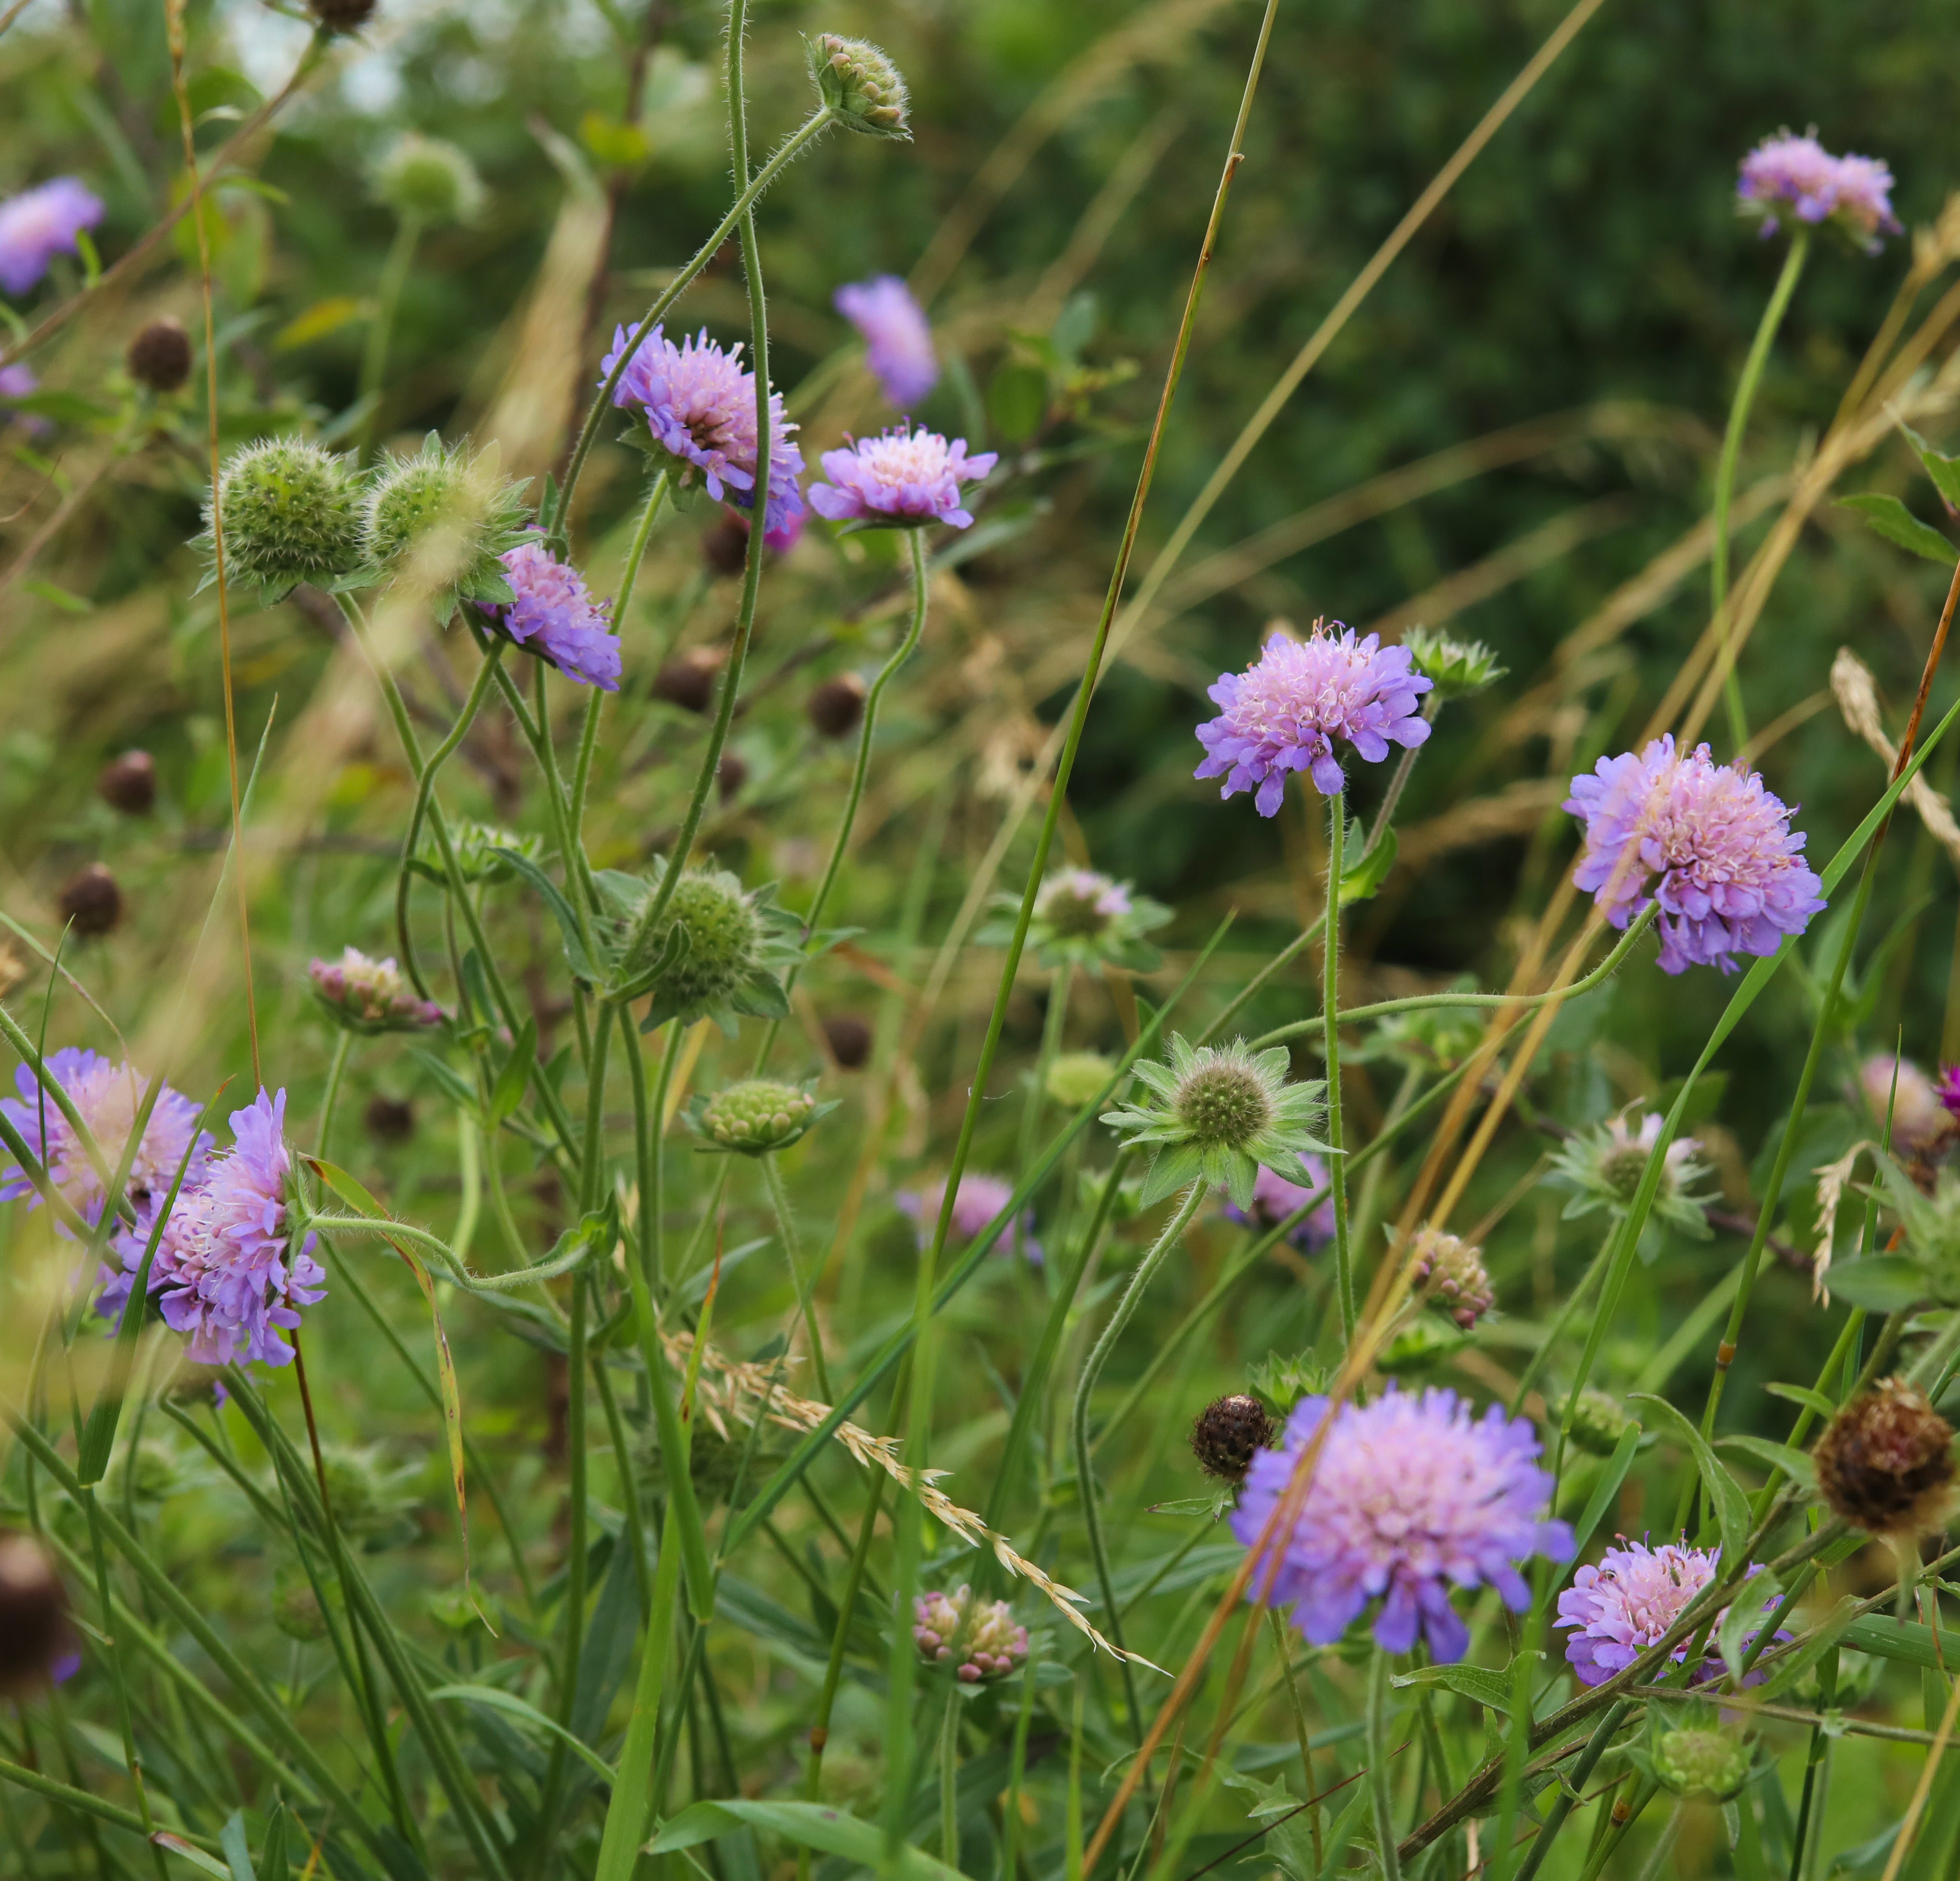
x: 90, y: 901
x: 730, y: 774
x: 1885, y: 1463
x: 850, y: 1040
x: 725, y: 547
x: 688, y: 682
x: 389, y: 1119
x: 1228, y: 1434
x: 342, y: 16
x: 34, y: 1630
x: 159, y: 357
x: 835, y: 707
x: 129, y: 783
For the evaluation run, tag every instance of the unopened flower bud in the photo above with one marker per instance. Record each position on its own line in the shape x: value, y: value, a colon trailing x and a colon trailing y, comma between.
x: 90, y: 902
x: 291, y: 512
x: 861, y: 85
x: 1598, y: 1422
x: 297, y: 1612
x: 1223, y: 1099
x: 688, y: 682
x: 159, y: 357
x: 442, y: 521
x: 35, y: 1636
x: 427, y: 180
x: 1885, y: 1463
x: 1456, y: 668
x: 1228, y: 1434
x: 979, y: 1637
x: 129, y: 783
x: 1701, y: 1763
x: 722, y: 933
x: 849, y: 1038
x: 1452, y: 1269
x: 370, y: 996
x: 758, y: 1115
x: 1075, y: 1078
x: 835, y: 707
x: 389, y: 1119
x: 725, y: 547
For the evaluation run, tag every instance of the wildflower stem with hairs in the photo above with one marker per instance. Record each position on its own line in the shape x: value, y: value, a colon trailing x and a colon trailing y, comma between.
x: 1725, y: 474
x: 1330, y: 1032
x: 785, y: 1214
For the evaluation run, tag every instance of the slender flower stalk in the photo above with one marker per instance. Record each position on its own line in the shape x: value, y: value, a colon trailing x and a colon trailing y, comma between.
x: 1330, y: 1033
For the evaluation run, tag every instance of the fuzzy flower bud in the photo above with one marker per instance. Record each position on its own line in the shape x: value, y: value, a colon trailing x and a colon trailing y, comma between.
x: 1452, y: 1270
x: 90, y: 902
x: 757, y: 1115
x: 338, y: 16
x: 723, y: 936
x: 1885, y: 1463
x: 291, y: 514
x: 442, y: 520
x: 1598, y: 1422
x: 979, y: 1635
x: 1075, y: 1078
x: 426, y: 180
x: 1228, y: 1434
x: 1456, y: 668
x: 128, y: 784
x: 1918, y: 1112
x: 859, y: 84
x: 370, y: 996
x: 849, y: 1038
x: 1701, y: 1763
x: 835, y: 707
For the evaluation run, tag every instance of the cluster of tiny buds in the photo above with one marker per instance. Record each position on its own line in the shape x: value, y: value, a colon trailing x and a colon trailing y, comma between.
x: 859, y: 84
x: 371, y: 993
x: 980, y: 1634
x: 758, y: 1114
x: 1223, y: 1099
x: 1452, y: 1270
x: 1701, y: 1763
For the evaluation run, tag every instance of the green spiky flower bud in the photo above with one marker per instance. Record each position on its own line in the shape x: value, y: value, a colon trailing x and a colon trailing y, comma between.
x: 1223, y: 1100
x: 757, y: 1115
x: 291, y: 512
x: 427, y: 180
x: 1701, y: 1763
x: 1456, y: 668
x: 723, y: 937
x: 1598, y: 1422
x: 861, y: 85
x: 441, y: 521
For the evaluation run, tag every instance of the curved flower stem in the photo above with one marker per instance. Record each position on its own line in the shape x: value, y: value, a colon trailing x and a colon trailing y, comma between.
x: 1085, y: 1468
x: 1330, y: 1032
x: 793, y: 147
x: 1725, y: 471
x: 793, y: 1253
x: 1257, y: 983
x: 381, y: 325
x: 1381, y: 1773
x: 331, y: 1101
x: 1283, y: 1647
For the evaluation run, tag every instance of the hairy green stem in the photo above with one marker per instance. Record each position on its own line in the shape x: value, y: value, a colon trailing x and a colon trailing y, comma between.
x: 786, y: 1227
x: 1330, y: 1034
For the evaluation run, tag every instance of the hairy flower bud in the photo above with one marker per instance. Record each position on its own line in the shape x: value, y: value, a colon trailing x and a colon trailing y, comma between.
x: 723, y: 936
x: 1598, y: 1422
x: 128, y: 784
x: 756, y: 1115
x: 291, y: 512
x: 338, y: 16
x: 35, y: 1637
x: 1452, y: 1270
x: 730, y: 773
x: 90, y: 902
x: 370, y: 996
x: 849, y: 1038
x: 1701, y: 1763
x: 428, y: 181
x: 1223, y: 1099
x: 724, y: 548
x: 389, y: 1119
x: 159, y: 357
x: 980, y: 1635
x: 1228, y: 1434
x: 442, y: 521
x: 835, y: 707
x: 1456, y: 668
x: 1885, y: 1463
x: 860, y: 85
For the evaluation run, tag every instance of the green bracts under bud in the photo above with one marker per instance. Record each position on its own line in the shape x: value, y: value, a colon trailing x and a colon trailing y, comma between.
x: 756, y: 1115
x: 291, y: 512
x: 860, y: 85
x: 1456, y: 668
x: 425, y: 180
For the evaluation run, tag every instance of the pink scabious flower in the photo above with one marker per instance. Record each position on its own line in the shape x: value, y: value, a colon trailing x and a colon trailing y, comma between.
x: 225, y: 1272
x: 371, y: 996
x: 1285, y: 711
x: 1798, y: 174
x: 1275, y: 1199
x: 982, y: 1632
x: 1411, y: 1496
x: 1948, y: 1090
x: 1919, y: 1109
x: 978, y: 1200
x: 106, y: 1097
x: 901, y: 478
x: 700, y: 405
x: 1731, y: 874
x: 555, y: 615
x: 1087, y: 888
x: 1619, y: 1609
x: 898, y: 338
x: 39, y: 224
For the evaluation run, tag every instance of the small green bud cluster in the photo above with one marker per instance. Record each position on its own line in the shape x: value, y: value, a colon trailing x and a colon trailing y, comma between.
x: 430, y: 182
x: 291, y: 512
x: 1075, y: 1078
x: 723, y: 937
x: 860, y: 85
x: 1701, y: 1763
x: 1222, y: 1100
x: 1598, y: 1422
x: 758, y: 1115
x: 442, y: 520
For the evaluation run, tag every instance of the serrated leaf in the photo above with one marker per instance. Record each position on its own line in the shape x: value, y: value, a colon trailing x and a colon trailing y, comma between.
x: 1495, y: 1691
x: 1731, y: 1507
x: 1886, y: 516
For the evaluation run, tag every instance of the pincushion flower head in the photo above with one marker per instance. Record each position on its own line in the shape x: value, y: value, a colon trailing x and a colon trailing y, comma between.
x: 901, y: 478
x: 1787, y: 172
x: 699, y: 404
x: 554, y: 616
x: 39, y: 224
x: 1217, y: 1114
x: 1619, y: 1609
x: 1285, y: 711
x: 292, y: 513
x: 107, y: 1096
x: 1706, y: 841
x: 226, y: 1275
x: 1082, y: 918
x: 897, y: 336
x: 978, y: 1201
x: 439, y: 523
x: 715, y: 950
x: 979, y: 1637
x: 1411, y: 1497
x: 370, y: 996
x: 1276, y: 1198
x: 1602, y: 1167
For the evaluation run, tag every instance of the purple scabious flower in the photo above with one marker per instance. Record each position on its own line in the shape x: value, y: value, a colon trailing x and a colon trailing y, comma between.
x: 1948, y: 1090
x: 1731, y: 875
x: 1285, y: 711
x: 1800, y: 174
x: 371, y: 996
x: 1619, y: 1609
x: 978, y: 1200
x: 17, y: 381
x: 1411, y: 1496
x: 38, y: 224
x: 898, y: 338
x: 227, y: 1276
x: 555, y: 615
x: 1274, y: 1198
x: 107, y: 1096
x: 901, y: 478
x: 700, y: 405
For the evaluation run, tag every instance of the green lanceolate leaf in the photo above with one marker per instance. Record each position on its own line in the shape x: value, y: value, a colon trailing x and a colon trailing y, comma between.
x: 1882, y: 1283
x: 1886, y: 516
x: 831, y: 1831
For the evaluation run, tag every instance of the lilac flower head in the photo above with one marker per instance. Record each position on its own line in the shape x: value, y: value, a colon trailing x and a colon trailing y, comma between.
x: 1798, y: 174
x: 1627, y: 1604
x: 1411, y: 1497
x: 1274, y: 1198
x: 38, y: 224
x: 555, y: 615
x: 700, y: 405
x: 227, y: 1276
x: 107, y: 1096
x: 901, y: 478
x: 898, y: 338
x: 978, y: 1200
x: 369, y: 996
x: 982, y: 1633
x: 1732, y: 877
x: 1919, y: 1109
x: 1285, y: 712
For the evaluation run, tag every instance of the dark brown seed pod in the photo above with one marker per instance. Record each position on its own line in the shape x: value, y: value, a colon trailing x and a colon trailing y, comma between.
x: 729, y: 775
x: 34, y: 1630
x: 90, y: 901
x: 849, y: 1038
x: 389, y: 1119
x: 1228, y: 1434
x: 725, y: 547
x: 342, y: 16
x: 836, y: 706
x: 159, y: 357
x: 1885, y: 1463
x: 129, y: 783
x: 688, y: 682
